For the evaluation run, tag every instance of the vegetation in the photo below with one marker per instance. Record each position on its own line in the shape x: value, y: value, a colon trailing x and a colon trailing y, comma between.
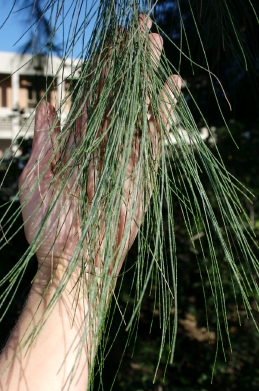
x: 217, y: 339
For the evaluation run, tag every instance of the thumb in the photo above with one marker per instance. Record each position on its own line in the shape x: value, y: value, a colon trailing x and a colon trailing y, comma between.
x: 44, y: 147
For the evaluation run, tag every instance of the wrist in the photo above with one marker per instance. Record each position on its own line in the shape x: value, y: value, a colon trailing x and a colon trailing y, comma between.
x: 53, y: 273
x: 54, y: 279
x: 51, y: 295
x: 77, y: 289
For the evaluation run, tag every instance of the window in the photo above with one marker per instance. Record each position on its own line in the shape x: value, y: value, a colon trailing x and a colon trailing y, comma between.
x: 5, y: 90
x: 32, y: 89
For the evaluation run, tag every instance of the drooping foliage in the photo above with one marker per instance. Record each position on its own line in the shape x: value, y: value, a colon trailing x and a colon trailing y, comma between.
x: 132, y: 75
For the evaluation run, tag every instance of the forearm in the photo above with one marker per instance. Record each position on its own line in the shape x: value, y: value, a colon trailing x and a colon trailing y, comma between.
x: 54, y: 358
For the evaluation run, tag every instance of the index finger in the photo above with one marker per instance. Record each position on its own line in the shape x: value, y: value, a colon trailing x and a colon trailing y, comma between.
x: 154, y: 40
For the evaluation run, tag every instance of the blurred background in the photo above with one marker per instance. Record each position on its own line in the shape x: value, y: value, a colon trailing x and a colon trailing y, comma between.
x: 220, y: 34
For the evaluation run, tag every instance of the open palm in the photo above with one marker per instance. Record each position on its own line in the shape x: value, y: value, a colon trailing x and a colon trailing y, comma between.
x: 51, y: 213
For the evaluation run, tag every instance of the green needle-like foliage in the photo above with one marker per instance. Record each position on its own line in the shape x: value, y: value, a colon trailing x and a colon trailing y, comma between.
x: 110, y: 117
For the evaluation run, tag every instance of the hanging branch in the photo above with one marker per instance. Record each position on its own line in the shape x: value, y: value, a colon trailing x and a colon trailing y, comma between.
x: 100, y: 179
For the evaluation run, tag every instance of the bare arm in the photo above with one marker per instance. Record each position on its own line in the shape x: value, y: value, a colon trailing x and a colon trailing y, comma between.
x: 56, y: 359
x: 41, y: 366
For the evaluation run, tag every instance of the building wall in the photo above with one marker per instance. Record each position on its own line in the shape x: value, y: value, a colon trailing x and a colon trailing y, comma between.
x: 23, y: 82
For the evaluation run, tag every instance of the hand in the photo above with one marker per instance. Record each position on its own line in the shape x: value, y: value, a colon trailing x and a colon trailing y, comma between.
x: 53, y: 222
x: 46, y: 205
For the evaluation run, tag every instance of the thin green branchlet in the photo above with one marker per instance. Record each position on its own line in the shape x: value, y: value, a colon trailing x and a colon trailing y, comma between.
x: 109, y: 118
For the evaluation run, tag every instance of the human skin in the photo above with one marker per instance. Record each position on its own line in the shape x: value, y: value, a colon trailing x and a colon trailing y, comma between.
x: 50, y: 363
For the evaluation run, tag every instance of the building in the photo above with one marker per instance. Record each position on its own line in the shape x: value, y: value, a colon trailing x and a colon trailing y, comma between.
x: 23, y: 82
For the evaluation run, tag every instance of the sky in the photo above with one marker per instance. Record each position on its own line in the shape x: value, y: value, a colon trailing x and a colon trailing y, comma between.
x: 15, y: 27
x: 12, y: 29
